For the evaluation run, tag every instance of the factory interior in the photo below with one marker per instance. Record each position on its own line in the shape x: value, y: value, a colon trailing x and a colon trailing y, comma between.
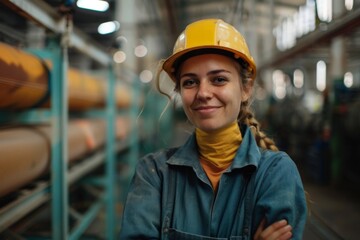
x: 79, y: 105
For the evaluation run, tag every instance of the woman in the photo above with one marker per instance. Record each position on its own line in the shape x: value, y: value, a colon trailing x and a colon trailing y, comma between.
x: 228, y: 181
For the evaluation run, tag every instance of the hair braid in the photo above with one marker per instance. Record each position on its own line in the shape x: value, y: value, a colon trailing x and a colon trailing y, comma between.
x: 247, y: 117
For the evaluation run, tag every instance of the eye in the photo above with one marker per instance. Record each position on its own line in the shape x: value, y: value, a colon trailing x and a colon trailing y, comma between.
x: 188, y: 83
x: 219, y: 80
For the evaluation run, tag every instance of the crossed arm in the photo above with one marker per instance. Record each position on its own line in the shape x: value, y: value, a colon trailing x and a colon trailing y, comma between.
x: 279, y: 230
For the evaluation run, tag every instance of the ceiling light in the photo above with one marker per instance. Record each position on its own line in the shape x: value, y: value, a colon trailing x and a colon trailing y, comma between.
x: 298, y: 78
x: 348, y: 79
x: 140, y: 51
x: 324, y: 10
x: 349, y: 4
x: 108, y: 27
x: 95, y: 5
x: 321, y: 75
x: 146, y: 76
x: 119, y: 57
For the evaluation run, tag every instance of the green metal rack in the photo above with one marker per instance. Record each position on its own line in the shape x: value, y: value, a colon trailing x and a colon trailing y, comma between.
x: 66, y: 221
x: 57, y: 188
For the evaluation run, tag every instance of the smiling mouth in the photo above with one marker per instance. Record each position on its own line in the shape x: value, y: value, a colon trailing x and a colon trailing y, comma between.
x: 206, y: 109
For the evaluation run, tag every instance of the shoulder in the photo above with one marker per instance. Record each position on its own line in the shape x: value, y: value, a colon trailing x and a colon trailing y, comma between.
x: 152, y: 168
x: 156, y: 159
x: 278, y: 161
x: 277, y: 175
x: 160, y: 155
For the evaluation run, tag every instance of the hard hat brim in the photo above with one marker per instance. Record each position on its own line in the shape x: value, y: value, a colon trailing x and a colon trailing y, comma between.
x: 171, y: 63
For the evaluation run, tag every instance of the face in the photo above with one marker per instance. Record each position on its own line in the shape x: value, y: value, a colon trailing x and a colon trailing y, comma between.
x: 211, y: 92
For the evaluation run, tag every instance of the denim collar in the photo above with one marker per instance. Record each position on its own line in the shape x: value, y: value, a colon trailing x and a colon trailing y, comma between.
x: 247, y: 155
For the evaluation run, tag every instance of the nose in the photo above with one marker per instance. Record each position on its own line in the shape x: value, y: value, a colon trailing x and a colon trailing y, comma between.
x: 204, y: 90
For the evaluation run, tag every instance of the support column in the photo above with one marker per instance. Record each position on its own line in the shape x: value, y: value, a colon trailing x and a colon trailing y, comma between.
x: 127, y: 17
x: 129, y: 70
x: 269, y: 49
x: 270, y: 40
x: 338, y: 47
x: 337, y: 70
x: 125, y: 10
x: 252, y: 28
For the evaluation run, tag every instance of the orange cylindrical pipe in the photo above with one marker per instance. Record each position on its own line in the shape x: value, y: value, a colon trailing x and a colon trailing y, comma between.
x: 23, y: 78
x: 85, y: 91
x: 24, y: 156
x: 123, y: 96
x: 18, y: 168
x: 24, y: 84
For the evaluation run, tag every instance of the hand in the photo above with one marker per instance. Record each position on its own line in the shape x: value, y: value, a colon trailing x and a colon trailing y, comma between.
x: 277, y: 231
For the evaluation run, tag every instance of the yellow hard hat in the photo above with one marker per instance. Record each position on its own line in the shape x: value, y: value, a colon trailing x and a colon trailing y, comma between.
x: 209, y: 34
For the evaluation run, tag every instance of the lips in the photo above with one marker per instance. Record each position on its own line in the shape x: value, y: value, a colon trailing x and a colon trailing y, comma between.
x: 205, y: 109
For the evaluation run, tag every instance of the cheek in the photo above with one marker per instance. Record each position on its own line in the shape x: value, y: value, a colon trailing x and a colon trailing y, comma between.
x: 233, y: 98
x: 186, y: 97
x: 186, y: 103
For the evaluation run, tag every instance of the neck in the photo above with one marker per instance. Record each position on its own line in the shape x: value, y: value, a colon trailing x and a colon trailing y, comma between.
x: 219, y: 147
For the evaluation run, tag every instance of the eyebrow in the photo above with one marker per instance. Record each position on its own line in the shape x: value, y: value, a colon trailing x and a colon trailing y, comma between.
x: 213, y: 72
x: 217, y: 71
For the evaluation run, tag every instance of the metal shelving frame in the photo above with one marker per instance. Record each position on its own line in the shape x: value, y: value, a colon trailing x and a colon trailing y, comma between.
x: 64, y: 36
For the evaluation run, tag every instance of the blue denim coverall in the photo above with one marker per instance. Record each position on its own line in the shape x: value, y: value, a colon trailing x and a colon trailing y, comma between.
x: 171, y: 197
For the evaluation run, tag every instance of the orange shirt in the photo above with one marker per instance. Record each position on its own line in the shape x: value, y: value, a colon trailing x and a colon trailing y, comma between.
x: 213, y: 172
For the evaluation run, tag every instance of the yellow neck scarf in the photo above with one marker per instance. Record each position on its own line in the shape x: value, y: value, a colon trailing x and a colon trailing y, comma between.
x: 219, y: 148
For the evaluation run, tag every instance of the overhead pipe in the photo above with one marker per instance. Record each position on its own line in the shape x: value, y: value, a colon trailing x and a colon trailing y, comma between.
x: 342, y: 26
x: 49, y: 18
x: 25, y: 83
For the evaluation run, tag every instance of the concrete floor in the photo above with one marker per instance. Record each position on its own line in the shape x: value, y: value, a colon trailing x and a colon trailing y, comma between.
x: 335, y: 213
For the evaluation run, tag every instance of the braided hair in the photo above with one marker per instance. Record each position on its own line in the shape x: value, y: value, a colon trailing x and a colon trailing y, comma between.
x: 246, y: 115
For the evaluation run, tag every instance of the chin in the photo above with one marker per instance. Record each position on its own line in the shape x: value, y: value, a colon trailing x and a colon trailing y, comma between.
x: 209, y: 127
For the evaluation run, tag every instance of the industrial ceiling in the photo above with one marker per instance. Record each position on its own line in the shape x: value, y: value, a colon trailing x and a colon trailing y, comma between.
x: 163, y: 20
